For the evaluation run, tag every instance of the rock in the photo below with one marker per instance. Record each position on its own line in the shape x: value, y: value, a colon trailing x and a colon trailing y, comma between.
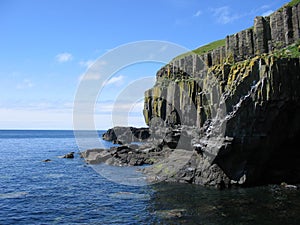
x: 228, y: 117
x: 125, y: 135
x: 288, y: 186
x: 260, y: 101
x: 124, y: 155
x: 95, y: 156
x: 276, y: 31
x: 68, y: 156
x: 47, y: 160
x: 252, y: 99
x: 173, y: 213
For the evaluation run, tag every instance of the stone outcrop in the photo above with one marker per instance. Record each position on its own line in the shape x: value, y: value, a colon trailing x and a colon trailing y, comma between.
x: 228, y: 117
x: 125, y: 155
x: 125, y: 135
x: 69, y: 155
x: 241, y: 100
x: 276, y: 31
x: 253, y: 137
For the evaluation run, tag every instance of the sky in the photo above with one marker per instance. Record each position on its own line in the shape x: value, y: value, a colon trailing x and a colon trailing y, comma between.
x: 48, y: 47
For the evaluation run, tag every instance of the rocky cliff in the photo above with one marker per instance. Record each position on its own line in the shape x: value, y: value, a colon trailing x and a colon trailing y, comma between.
x: 229, y: 116
x: 276, y: 31
x: 234, y: 112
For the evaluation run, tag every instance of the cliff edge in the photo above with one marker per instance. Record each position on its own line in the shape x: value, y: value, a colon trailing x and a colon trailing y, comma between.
x: 225, y: 114
x: 233, y: 112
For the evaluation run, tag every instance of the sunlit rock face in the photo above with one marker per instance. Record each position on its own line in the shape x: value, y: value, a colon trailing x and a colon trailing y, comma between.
x: 237, y: 107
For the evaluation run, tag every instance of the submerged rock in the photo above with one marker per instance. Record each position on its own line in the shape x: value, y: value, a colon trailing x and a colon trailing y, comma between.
x: 169, y: 214
x: 69, y: 155
x: 47, y: 160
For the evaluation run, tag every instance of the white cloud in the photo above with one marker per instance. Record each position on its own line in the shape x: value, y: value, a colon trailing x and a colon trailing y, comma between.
x: 267, y: 13
x: 87, y: 63
x: 163, y: 48
x: 34, y: 119
x: 59, y: 115
x: 64, y: 57
x: 94, y: 68
x: 109, y: 106
x: 121, y: 113
x: 264, y: 7
x: 224, y: 15
x: 26, y: 83
x: 89, y: 76
x: 58, y: 106
x: 198, y: 13
x: 115, y: 80
x: 36, y: 115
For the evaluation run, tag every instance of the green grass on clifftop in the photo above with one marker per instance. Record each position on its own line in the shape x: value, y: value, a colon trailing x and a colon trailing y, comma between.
x: 205, y: 48
x: 293, y: 2
x: 209, y: 47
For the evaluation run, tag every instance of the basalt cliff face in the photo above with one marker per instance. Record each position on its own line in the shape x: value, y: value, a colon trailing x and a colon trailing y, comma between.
x: 232, y: 115
x: 227, y: 116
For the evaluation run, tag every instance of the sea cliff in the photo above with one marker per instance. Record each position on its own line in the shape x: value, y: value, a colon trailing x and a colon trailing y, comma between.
x: 242, y: 98
x: 227, y: 116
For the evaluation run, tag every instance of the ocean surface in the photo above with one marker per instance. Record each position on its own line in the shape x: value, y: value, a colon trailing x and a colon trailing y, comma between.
x: 67, y: 191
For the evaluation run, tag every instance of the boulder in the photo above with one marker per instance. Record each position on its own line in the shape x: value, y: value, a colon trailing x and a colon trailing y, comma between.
x: 69, y: 155
x: 126, y: 135
x: 47, y: 160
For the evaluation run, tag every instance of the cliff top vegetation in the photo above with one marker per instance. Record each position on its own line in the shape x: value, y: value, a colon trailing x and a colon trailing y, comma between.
x: 293, y: 2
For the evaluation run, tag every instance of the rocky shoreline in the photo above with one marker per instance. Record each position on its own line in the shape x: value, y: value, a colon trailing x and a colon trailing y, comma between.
x: 170, y: 154
x: 230, y: 116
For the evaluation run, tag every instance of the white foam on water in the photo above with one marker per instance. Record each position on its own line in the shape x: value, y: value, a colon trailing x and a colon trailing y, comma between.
x: 13, y: 195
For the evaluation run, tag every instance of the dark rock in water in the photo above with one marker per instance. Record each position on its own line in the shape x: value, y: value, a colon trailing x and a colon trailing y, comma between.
x: 124, y: 155
x: 95, y: 156
x: 47, y: 160
x: 69, y: 155
x: 173, y: 213
x: 125, y: 135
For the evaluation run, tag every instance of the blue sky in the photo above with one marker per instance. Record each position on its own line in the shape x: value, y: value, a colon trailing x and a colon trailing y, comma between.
x: 46, y: 47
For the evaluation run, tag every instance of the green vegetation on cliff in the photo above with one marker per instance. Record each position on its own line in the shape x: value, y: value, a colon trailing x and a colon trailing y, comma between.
x: 290, y: 4
x: 209, y: 47
x: 204, y: 49
x: 291, y: 51
x: 293, y: 2
x: 238, y: 93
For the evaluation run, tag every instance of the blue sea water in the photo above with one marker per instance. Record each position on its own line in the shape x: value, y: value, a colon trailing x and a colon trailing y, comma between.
x: 67, y: 191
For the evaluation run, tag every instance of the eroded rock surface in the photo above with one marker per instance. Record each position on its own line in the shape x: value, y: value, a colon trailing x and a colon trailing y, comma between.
x: 228, y: 117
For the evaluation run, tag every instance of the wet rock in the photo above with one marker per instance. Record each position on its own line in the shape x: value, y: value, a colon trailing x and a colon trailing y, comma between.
x: 228, y: 117
x: 47, y: 160
x: 173, y: 213
x: 69, y: 155
x: 124, y: 155
x: 125, y: 135
x: 95, y: 156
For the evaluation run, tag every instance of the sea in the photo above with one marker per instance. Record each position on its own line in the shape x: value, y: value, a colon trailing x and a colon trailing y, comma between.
x: 68, y: 191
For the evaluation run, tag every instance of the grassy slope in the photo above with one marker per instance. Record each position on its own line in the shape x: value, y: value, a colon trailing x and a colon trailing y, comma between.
x: 209, y: 47
x: 293, y: 2
x: 213, y: 45
x: 203, y: 49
